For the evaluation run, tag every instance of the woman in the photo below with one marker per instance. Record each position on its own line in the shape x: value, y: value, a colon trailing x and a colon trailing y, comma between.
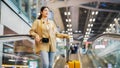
x: 45, y: 32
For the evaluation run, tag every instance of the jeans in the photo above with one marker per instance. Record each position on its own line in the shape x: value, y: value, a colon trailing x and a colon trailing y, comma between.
x: 47, y: 59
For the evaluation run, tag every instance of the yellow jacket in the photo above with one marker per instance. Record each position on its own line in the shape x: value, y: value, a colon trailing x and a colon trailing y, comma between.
x: 48, y: 30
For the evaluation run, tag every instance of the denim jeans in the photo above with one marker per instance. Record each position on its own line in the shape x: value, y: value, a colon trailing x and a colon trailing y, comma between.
x: 47, y: 59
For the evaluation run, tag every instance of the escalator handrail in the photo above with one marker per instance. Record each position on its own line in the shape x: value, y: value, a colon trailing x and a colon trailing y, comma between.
x: 16, y: 35
x: 106, y: 34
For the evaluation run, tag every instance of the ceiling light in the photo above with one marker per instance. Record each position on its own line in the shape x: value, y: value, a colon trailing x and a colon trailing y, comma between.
x: 92, y: 31
x: 87, y: 32
x: 88, y: 25
x: 87, y: 29
x: 70, y: 29
x: 70, y: 33
x: 113, y: 24
x: 93, y: 12
x: 69, y: 20
x: 65, y: 13
x: 91, y: 25
x: 115, y: 19
x: 90, y: 20
x: 67, y: 25
x: 107, y: 29
x: 110, y: 25
x: 94, y: 20
x: 66, y: 20
x: 69, y: 13
x: 96, y: 12
x: 76, y: 31
x: 79, y: 31
x: 70, y: 25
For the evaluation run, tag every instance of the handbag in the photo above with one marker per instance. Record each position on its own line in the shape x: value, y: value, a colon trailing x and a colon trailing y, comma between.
x: 45, y: 40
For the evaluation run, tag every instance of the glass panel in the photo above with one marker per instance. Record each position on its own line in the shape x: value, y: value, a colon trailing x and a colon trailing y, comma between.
x: 106, y: 48
x: 19, y: 54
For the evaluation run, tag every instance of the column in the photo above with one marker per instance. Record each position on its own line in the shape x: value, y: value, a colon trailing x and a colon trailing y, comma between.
x: 1, y: 45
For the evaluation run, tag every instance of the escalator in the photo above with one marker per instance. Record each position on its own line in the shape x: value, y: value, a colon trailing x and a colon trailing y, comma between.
x: 17, y: 51
x: 106, y: 51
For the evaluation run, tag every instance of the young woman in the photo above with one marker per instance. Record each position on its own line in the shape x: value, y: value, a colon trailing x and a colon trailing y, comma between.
x: 45, y: 32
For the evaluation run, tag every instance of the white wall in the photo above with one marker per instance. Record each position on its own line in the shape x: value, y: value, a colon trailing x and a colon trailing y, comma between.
x: 12, y: 21
x: 1, y: 29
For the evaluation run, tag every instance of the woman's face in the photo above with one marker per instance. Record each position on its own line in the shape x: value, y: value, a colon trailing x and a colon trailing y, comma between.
x: 45, y: 12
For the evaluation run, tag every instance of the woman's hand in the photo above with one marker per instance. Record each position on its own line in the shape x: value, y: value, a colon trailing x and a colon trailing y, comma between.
x: 37, y: 38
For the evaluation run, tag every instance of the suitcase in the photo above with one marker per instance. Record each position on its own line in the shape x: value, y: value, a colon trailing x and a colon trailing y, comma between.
x: 71, y: 64
x: 74, y: 64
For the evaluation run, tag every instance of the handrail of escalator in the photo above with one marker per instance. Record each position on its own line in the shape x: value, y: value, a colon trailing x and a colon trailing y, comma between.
x: 11, y: 37
x: 15, y: 35
x: 114, y: 35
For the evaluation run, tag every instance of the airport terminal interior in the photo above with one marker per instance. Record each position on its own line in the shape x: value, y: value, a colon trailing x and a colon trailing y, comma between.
x: 93, y: 27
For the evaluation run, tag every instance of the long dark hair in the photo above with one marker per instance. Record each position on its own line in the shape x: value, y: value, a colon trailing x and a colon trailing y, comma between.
x: 42, y: 8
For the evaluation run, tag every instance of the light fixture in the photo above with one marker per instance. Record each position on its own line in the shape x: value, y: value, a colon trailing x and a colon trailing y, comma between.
x: 76, y: 31
x: 110, y: 25
x: 90, y: 20
x: 69, y: 20
x: 87, y: 29
x: 70, y: 33
x: 66, y: 20
x: 69, y: 13
x: 79, y: 31
x: 96, y: 12
x: 92, y: 31
x: 91, y: 25
x: 65, y: 13
x: 67, y: 25
x: 94, y: 20
x: 93, y: 12
x: 115, y: 19
x: 88, y: 25
x: 113, y: 24
x: 107, y: 29
x: 70, y: 25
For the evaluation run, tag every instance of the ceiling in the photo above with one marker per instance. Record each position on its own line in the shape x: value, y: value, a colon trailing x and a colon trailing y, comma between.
x: 87, y: 17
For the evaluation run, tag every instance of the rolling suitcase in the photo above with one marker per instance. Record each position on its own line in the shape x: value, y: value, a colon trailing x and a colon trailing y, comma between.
x: 71, y: 64
x: 74, y: 64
